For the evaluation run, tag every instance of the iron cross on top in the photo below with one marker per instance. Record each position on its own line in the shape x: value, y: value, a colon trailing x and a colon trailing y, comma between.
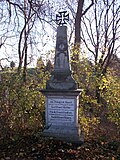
x: 62, y: 18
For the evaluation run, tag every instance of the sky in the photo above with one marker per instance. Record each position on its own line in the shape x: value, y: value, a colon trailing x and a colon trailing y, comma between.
x: 45, y: 41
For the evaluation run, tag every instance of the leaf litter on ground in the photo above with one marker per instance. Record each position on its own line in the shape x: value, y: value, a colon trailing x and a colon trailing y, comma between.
x: 42, y: 148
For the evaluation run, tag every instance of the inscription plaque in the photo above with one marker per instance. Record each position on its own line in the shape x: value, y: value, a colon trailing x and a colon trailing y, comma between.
x: 60, y: 111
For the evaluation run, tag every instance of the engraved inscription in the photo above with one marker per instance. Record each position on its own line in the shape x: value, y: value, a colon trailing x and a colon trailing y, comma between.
x: 60, y: 111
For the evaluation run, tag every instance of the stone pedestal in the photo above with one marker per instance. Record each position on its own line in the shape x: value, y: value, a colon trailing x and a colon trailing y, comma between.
x: 62, y: 115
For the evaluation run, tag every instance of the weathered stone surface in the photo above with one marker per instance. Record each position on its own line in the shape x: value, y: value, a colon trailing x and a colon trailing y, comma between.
x: 62, y: 54
x: 61, y: 76
x: 62, y: 115
x: 69, y: 134
x: 62, y: 96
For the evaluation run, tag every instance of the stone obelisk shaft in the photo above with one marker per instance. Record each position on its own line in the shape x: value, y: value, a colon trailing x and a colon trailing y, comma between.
x: 61, y: 78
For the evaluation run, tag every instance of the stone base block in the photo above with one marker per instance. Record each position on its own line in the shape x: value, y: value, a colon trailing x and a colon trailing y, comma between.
x: 68, y: 134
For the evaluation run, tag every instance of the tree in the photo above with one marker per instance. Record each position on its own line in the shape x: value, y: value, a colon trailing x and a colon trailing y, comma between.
x: 5, y: 30
x: 25, y: 15
x: 49, y: 66
x: 100, y: 34
x: 78, y: 18
x: 77, y: 26
x: 1, y: 65
x: 115, y: 65
x: 12, y: 64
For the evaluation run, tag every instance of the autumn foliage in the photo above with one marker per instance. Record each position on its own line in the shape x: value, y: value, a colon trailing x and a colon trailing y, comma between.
x: 22, y: 116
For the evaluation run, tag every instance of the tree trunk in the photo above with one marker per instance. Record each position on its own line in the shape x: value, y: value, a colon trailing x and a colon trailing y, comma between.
x: 25, y: 43
x: 76, y: 50
x: 78, y: 23
x: 98, y: 94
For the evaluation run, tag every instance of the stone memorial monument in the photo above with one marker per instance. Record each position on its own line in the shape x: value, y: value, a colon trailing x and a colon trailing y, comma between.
x: 62, y: 93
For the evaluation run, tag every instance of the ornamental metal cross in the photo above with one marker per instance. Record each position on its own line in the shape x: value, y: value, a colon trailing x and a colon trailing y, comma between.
x: 62, y: 18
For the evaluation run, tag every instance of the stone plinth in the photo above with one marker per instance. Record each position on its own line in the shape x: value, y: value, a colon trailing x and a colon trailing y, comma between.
x: 62, y: 115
